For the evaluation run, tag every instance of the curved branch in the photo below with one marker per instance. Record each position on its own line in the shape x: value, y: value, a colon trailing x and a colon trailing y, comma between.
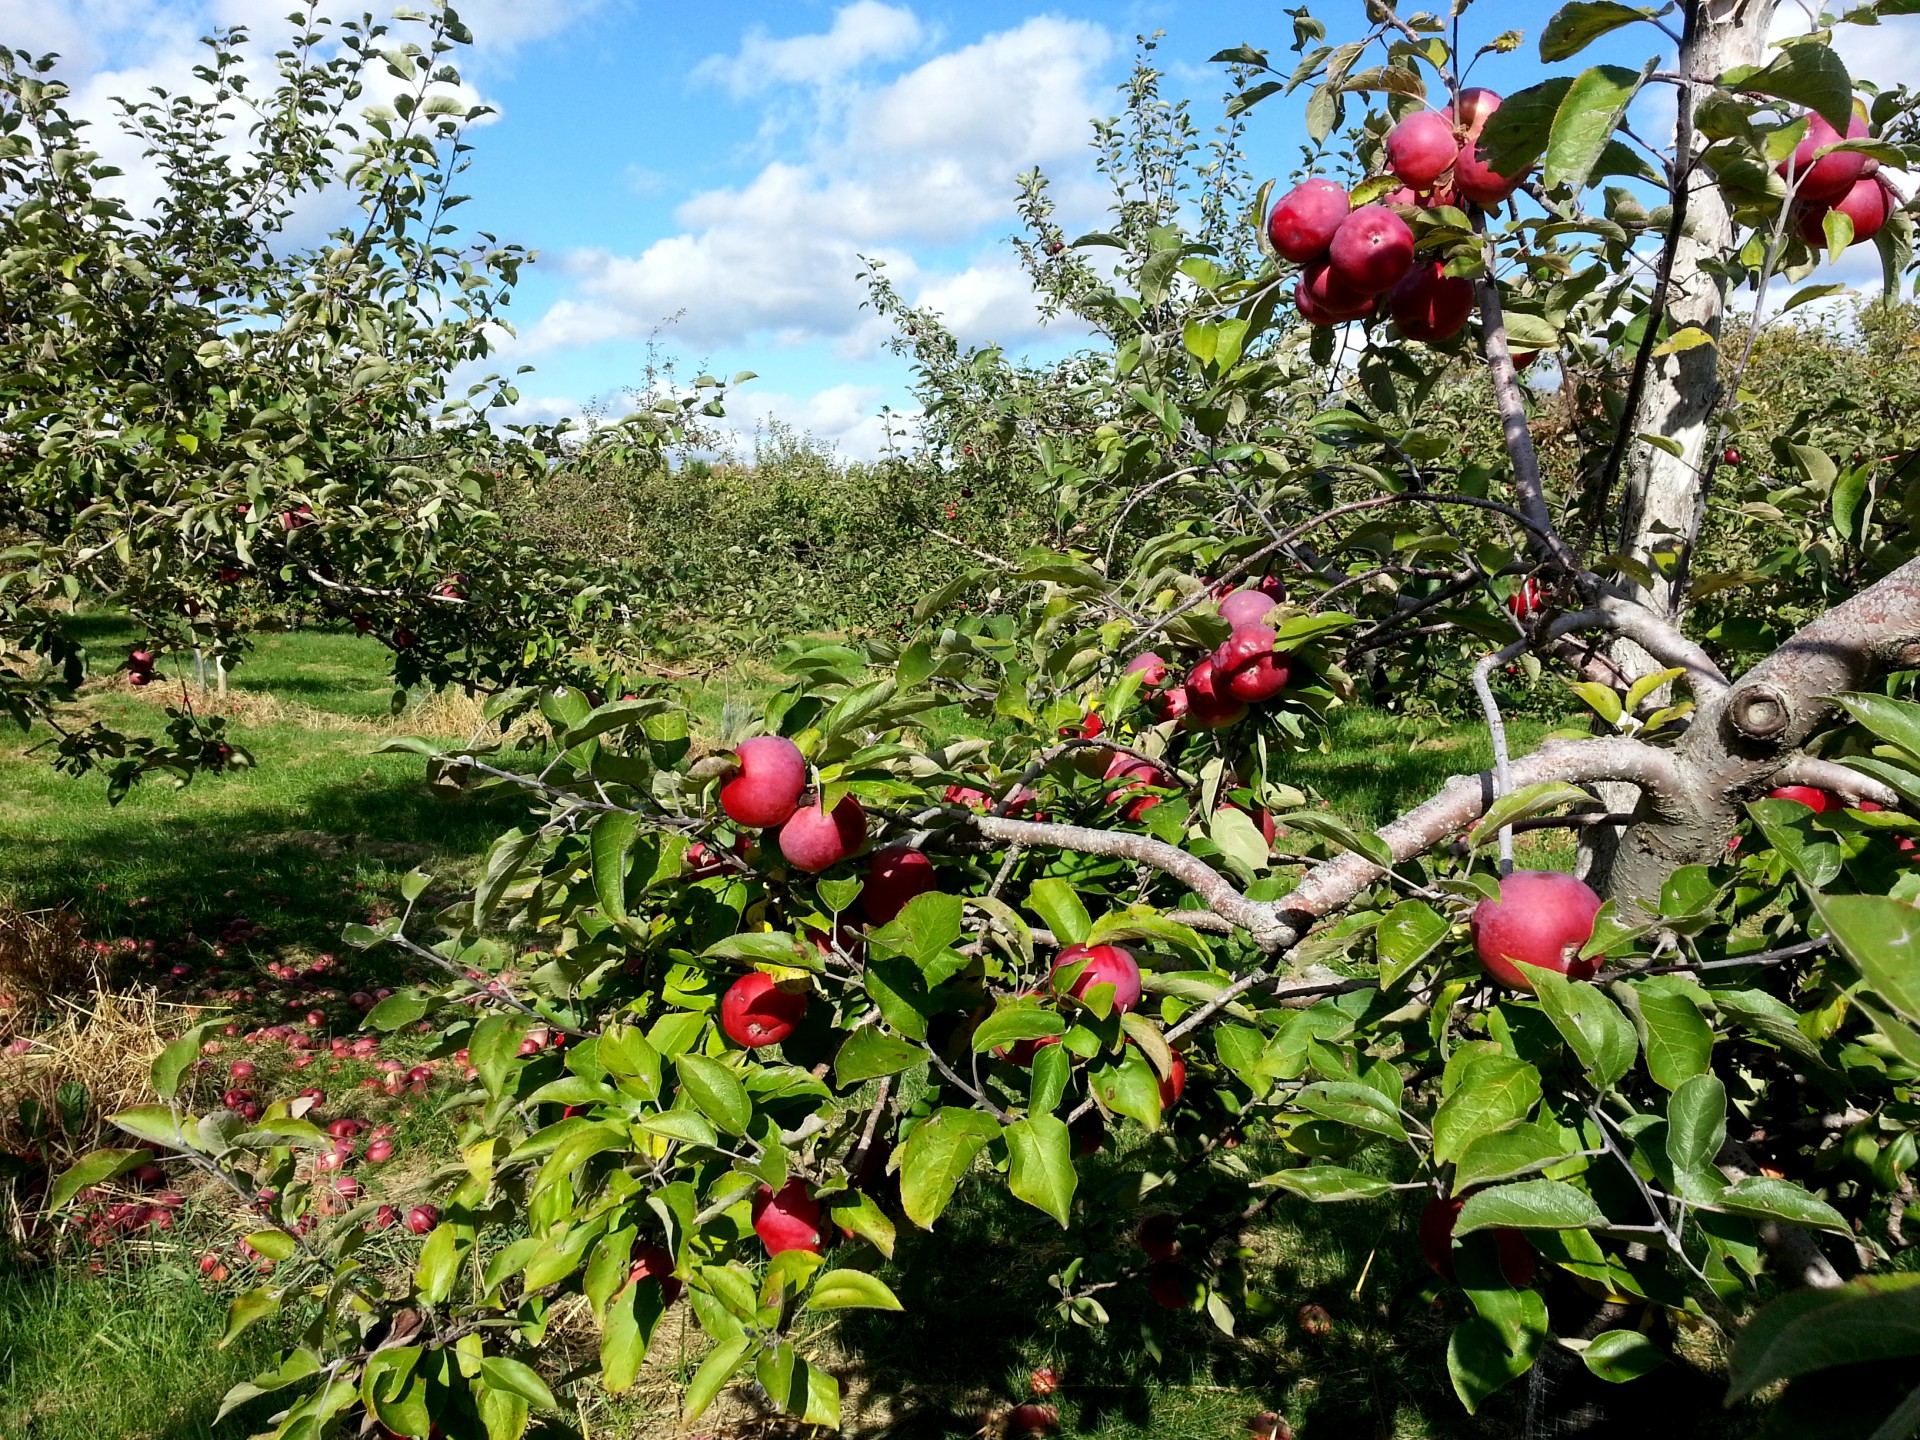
x: 1834, y: 775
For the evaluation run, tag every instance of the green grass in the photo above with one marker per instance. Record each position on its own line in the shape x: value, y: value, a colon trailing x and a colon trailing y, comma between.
x: 316, y: 837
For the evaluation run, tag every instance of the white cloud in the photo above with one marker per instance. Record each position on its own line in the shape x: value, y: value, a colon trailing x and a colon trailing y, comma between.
x: 991, y: 302
x: 926, y: 158
x: 844, y: 418
x: 862, y: 33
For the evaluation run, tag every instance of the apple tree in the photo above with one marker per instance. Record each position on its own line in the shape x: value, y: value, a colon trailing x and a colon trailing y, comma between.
x: 205, y: 417
x: 735, y: 1017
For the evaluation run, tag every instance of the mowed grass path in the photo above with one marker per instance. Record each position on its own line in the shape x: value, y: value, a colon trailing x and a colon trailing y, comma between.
x: 318, y: 834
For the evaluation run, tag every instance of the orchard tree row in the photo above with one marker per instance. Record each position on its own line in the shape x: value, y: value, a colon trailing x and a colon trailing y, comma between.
x: 734, y: 1020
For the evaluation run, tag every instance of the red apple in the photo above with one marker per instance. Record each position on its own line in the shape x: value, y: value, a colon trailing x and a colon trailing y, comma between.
x: 1303, y: 223
x: 1472, y: 176
x: 1156, y: 1236
x: 1172, y: 1285
x: 1436, y: 1243
x: 422, y: 1218
x: 385, y: 1218
x: 1032, y: 1422
x: 788, y: 1219
x: 773, y: 772
x: 379, y: 1151
x: 1430, y: 305
x: 894, y: 876
x: 1174, y: 704
x: 1542, y: 918
x: 812, y: 840
x: 654, y: 1262
x: 1372, y: 251
x: 1321, y: 290
x: 1246, y: 607
x: 1526, y: 600
x: 1826, y: 180
x: 1210, y: 704
x: 1261, y: 678
x: 755, y: 1011
x: 1421, y: 148
x: 1174, y: 1085
x: 1867, y: 205
x: 1105, y: 965
x: 1151, y: 669
x: 1814, y: 799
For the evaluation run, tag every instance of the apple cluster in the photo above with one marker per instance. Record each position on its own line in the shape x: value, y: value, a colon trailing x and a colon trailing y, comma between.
x: 1842, y: 180
x: 1243, y: 671
x: 140, y: 665
x: 1350, y: 257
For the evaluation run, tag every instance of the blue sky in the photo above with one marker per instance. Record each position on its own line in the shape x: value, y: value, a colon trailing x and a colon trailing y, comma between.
x: 705, y: 177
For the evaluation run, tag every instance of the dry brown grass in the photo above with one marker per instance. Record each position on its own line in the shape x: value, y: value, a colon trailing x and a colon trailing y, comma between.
x: 42, y: 954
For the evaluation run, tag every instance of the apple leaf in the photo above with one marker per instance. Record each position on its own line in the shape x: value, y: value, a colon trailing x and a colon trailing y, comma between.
x: 1406, y: 935
x: 1040, y: 1164
x: 717, y: 1091
x: 711, y: 1378
x: 1055, y: 902
x: 1622, y: 1355
x: 256, y: 1304
x: 1881, y: 937
x: 94, y: 1169
x: 1576, y: 26
x: 1323, y: 1183
x: 1585, y: 121
x: 1872, y: 1318
x: 936, y: 1156
x: 1016, y: 1020
x: 1530, y: 1205
x: 851, y: 1290
x: 1765, y: 1198
x: 609, y: 841
x: 1493, y: 1092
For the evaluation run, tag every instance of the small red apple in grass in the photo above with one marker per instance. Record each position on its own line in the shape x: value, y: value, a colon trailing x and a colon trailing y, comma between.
x: 1437, y: 1220
x: 1542, y: 918
x: 654, y: 1262
x: 1172, y: 1285
x: 1372, y: 251
x: 1430, y: 305
x: 240, y: 1069
x: 422, y: 1218
x: 755, y: 1011
x: 1044, y: 1380
x: 379, y: 1151
x: 894, y: 876
x: 1421, y: 148
x: 1269, y: 1426
x: 1303, y: 224
x: 1157, y: 1236
x: 385, y: 1218
x: 766, y: 792
x: 1104, y: 965
x: 814, y: 840
x: 1031, y: 1421
x: 1813, y: 798
x: 1315, y: 1320
x: 787, y: 1218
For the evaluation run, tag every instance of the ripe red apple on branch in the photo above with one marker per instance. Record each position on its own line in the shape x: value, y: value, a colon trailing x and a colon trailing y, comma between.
x: 756, y: 1011
x: 1517, y: 1262
x: 1103, y: 965
x: 767, y: 789
x: 812, y: 839
x: 1542, y: 918
x: 787, y: 1218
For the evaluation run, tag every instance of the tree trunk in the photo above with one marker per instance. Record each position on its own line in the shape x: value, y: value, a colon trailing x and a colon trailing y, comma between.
x: 1661, y: 493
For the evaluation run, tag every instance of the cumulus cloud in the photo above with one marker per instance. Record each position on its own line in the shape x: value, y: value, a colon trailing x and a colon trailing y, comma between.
x: 926, y: 158
x: 845, y: 418
x: 862, y: 33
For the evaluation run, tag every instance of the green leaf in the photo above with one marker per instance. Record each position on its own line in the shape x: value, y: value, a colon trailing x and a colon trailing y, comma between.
x: 1479, y: 1361
x: 1591, y: 1024
x: 1881, y: 937
x: 1578, y: 25
x: 609, y: 840
x: 1128, y: 1086
x: 851, y: 1290
x: 398, y: 1010
x: 720, y: 1366
x: 1517, y: 1150
x: 1622, y: 1355
x: 1040, y: 1164
x: 1675, y: 1036
x: 1358, y: 1106
x: 1876, y: 1318
x: 276, y: 1245
x: 515, y: 1378
x: 1530, y: 1205
x: 936, y: 1156
x: 1055, y: 902
x: 1517, y: 134
x: 870, y: 1053
x: 1406, y: 935
x: 94, y: 1169
x: 717, y: 1091
x: 171, y: 1063
x: 152, y: 1122
x: 1895, y: 721
x: 1696, y: 1129
x: 1524, y: 804
x: 1325, y: 1183
x: 1808, y: 74
x: 1806, y: 294
x: 1765, y: 1198
x: 1586, y: 119
x: 1494, y: 1091
x: 504, y: 860
x: 1016, y: 1020
x: 1690, y: 337
x: 256, y: 1304
x: 439, y: 1265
